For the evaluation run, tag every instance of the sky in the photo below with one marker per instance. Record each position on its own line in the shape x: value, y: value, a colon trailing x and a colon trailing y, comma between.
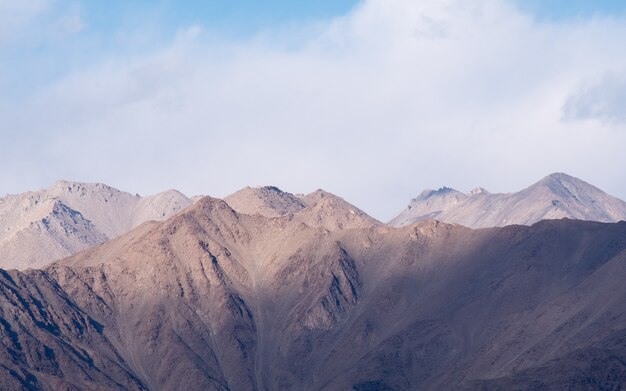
x: 372, y: 100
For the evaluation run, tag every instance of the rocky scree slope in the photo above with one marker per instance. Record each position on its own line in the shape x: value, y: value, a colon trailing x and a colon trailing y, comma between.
x: 213, y: 299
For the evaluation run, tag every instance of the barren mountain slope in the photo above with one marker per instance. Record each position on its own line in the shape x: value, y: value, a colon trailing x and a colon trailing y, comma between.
x: 317, y: 209
x: 48, y: 343
x: 267, y: 201
x: 555, y: 196
x: 213, y: 299
x: 39, y: 227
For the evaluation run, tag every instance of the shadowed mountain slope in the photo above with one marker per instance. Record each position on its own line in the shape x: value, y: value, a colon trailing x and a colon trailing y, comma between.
x: 555, y: 196
x: 213, y: 299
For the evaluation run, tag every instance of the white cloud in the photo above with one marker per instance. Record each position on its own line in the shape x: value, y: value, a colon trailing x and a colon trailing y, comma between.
x: 396, y: 96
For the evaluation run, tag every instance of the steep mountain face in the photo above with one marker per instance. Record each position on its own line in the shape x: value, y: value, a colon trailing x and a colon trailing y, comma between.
x: 213, y: 299
x: 39, y: 227
x: 555, y: 196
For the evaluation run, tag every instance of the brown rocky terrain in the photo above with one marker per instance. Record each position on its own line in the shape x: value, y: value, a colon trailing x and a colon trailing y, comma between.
x: 268, y: 201
x: 317, y: 209
x: 322, y: 298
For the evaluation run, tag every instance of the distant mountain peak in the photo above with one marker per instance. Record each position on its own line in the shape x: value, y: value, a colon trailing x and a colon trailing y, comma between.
x: 429, y: 204
x: 555, y: 196
x: 75, y: 216
x: 331, y: 212
x: 269, y: 201
x: 318, y: 194
x: 319, y: 209
x: 65, y: 186
x: 478, y: 190
x: 210, y: 208
x: 211, y: 203
x: 442, y: 191
x: 565, y: 187
x: 560, y: 176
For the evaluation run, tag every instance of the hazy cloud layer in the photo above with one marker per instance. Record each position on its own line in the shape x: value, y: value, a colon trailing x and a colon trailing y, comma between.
x: 604, y: 100
x: 16, y: 15
x: 374, y: 106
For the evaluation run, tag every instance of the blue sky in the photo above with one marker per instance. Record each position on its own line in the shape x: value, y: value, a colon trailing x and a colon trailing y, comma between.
x: 105, y: 26
x: 562, y: 10
x: 232, y: 16
x: 372, y: 100
x: 96, y: 29
x: 38, y: 54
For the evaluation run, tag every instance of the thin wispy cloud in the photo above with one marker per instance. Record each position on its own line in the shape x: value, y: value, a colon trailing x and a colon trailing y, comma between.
x: 603, y: 100
x: 374, y: 105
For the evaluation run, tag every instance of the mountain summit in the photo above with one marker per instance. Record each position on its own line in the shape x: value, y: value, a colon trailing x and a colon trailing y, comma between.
x: 554, y: 197
x: 319, y: 209
x: 268, y: 201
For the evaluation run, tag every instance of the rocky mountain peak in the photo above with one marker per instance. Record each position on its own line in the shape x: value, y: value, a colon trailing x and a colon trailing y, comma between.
x: 441, y: 192
x: 428, y: 204
x: 269, y: 201
x: 478, y: 191
x: 556, y: 196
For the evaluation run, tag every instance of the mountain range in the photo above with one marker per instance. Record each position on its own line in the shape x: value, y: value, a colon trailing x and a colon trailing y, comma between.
x: 39, y: 227
x: 267, y: 290
x: 554, y: 197
x: 213, y: 299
